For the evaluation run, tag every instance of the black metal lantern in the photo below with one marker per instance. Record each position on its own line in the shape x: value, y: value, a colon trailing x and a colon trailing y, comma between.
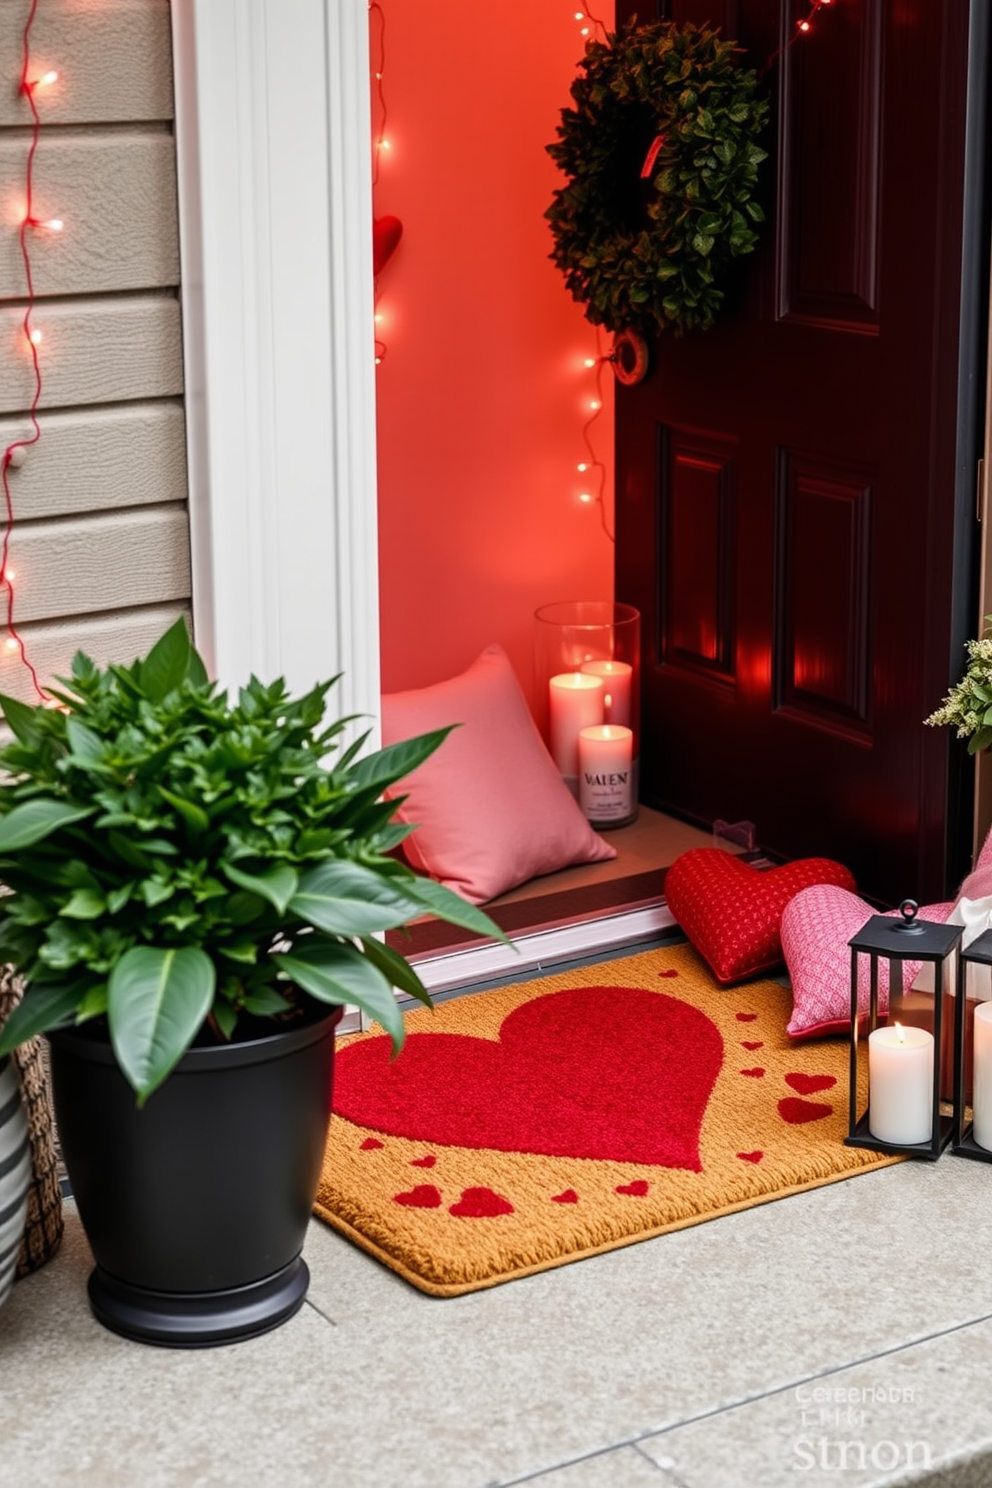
x: 973, y: 1057
x: 905, y: 1063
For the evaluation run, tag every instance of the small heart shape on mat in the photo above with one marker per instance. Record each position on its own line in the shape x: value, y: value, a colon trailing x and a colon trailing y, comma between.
x: 797, y: 1111
x: 424, y: 1196
x: 747, y: 1017
x: 480, y: 1203
x: 732, y: 911
x: 423, y: 1162
x: 754, y: 1074
x: 638, y: 1188
x: 667, y: 973
x: 568, y: 1197
x: 810, y: 1084
x: 751, y: 1157
x: 752, y: 1044
x: 370, y: 1144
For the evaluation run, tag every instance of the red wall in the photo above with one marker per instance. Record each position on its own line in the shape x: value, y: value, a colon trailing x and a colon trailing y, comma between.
x: 482, y: 393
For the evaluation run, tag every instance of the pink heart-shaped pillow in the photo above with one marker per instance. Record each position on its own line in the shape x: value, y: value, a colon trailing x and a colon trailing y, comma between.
x: 816, y: 928
x: 732, y: 912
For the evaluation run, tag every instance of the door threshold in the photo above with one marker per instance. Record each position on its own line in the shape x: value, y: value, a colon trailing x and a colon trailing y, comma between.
x: 539, y: 949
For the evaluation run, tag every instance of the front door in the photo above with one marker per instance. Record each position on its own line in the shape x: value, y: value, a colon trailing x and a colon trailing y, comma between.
x: 794, y: 510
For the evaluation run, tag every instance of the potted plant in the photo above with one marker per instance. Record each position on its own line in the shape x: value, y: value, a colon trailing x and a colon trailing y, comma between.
x: 195, y: 886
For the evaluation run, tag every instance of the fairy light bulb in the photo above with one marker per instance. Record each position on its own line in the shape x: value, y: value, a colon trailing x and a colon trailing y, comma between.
x: 53, y: 224
x: 804, y: 26
x: 36, y: 337
x: 589, y: 362
x: 593, y: 404
x: 48, y: 78
x: 585, y: 497
x: 582, y: 468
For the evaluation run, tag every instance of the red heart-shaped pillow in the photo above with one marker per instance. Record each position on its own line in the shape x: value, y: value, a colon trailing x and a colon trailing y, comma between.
x: 386, y: 234
x: 732, y: 912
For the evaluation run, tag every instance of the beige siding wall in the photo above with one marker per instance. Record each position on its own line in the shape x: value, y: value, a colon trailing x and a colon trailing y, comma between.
x: 100, y: 546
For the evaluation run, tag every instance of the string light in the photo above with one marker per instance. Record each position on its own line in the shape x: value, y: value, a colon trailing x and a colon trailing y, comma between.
x: 803, y: 27
x: 14, y: 454
x: 806, y: 25
x: 587, y: 22
x: 594, y: 465
x: 381, y: 144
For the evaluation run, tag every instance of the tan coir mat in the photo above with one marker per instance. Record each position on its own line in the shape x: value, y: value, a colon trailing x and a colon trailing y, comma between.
x: 551, y: 1120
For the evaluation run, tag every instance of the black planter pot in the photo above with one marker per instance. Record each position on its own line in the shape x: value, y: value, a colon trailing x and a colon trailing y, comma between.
x: 196, y: 1205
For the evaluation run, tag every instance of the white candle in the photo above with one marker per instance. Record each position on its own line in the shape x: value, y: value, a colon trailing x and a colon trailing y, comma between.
x: 982, y: 1078
x: 900, y: 1084
x: 576, y: 701
x: 617, y: 676
x: 605, y: 753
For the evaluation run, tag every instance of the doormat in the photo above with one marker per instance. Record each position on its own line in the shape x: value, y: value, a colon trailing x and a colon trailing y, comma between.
x: 541, y: 1123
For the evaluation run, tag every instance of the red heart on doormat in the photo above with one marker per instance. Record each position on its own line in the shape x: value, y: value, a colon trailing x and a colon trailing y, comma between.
x: 732, y: 912
x: 480, y: 1203
x: 810, y: 1084
x: 797, y: 1112
x: 607, y: 1072
x: 424, y: 1196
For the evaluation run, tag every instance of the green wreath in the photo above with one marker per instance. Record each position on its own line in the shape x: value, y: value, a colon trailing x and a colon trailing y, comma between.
x: 662, y: 163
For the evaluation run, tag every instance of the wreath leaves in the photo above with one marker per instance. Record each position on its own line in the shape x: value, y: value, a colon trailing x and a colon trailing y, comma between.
x: 649, y: 255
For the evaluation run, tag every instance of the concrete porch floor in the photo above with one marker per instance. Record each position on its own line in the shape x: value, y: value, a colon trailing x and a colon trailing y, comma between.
x: 838, y: 1336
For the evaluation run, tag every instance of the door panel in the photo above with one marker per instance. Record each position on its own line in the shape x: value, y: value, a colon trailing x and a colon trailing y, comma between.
x: 786, y: 481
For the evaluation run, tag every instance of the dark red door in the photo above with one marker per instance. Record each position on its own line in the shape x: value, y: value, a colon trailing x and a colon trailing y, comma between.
x: 786, y: 482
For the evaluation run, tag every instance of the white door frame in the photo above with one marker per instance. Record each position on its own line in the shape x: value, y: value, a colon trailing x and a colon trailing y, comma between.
x: 275, y: 198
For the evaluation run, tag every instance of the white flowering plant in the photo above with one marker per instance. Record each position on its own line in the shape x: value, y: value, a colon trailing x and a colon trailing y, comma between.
x: 968, y: 706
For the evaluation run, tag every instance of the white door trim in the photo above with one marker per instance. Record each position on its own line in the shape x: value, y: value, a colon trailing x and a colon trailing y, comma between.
x: 273, y: 137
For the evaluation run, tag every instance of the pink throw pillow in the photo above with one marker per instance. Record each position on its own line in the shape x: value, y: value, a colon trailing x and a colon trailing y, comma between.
x: 491, y: 807
x: 816, y: 927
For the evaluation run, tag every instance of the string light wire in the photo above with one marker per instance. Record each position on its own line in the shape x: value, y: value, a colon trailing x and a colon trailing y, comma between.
x: 594, y: 23
x: 601, y: 361
x: 13, y: 455
x: 379, y: 145
x: 801, y: 28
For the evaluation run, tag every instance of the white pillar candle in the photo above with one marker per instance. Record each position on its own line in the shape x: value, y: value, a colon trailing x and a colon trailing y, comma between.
x: 900, y: 1084
x: 617, y: 678
x: 576, y: 701
x: 605, y: 754
x: 982, y: 1099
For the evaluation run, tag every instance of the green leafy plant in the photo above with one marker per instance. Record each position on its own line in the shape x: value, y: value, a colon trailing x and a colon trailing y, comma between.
x: 968, y: 706
x: 672, y: 105
x: 177, y: 862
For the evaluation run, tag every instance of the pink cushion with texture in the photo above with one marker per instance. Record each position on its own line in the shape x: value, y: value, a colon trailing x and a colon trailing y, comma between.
x: 816, y: 927
x: 490, y: 805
